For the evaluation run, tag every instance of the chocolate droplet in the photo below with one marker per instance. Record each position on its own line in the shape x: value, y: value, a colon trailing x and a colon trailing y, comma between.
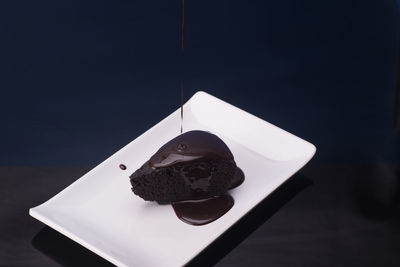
x: 181, y: 146
x: 122, y: 167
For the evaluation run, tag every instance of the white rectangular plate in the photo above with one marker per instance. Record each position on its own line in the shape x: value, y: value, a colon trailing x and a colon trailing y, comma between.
x: 100, y: 212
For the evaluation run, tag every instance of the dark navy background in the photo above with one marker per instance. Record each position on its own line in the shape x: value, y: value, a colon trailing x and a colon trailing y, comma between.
x: 79, y: 80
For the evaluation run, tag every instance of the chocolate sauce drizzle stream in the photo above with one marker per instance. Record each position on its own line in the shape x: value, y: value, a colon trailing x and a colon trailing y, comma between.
x: 182, y: 48
x: 181, y: 108
x: 183, y: 25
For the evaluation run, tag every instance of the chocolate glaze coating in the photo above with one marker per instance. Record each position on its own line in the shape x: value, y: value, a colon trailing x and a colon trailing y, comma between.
x: 191, y: 146
x: 194, y: 165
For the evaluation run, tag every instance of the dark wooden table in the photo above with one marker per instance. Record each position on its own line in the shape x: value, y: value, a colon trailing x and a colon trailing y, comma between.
x: 327, y: 215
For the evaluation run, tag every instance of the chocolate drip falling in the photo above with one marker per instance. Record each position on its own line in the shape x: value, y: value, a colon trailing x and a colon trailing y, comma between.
x: 182, y: 48
x: 183, y: 25
x: 181, y: 108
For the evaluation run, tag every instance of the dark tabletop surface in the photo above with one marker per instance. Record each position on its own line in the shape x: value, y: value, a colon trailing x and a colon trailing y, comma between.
x: 326, y: 215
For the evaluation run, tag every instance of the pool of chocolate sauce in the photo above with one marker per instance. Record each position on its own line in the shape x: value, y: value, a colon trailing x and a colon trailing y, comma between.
x: 204, y: 211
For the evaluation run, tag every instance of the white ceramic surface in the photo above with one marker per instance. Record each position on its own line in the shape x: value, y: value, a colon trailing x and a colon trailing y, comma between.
x: 100, y: 212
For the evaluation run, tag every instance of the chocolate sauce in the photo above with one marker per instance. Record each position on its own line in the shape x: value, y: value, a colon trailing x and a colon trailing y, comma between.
x: 200, y: 212
x: 193, y: 145
x: 182, y: 48
x: 181, y: 108
x: 203, y: 147
x: 122, y: 167
x: 200, y: 148
x: 238, y: 178
x: 183, y: 25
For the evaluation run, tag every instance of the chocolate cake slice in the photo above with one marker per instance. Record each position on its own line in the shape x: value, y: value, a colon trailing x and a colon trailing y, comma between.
x: 194, y: 165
